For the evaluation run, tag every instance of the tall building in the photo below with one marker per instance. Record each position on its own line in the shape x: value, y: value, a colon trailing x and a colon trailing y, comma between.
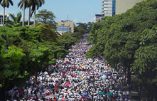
x: 109, y: 7
x: 123, y: 5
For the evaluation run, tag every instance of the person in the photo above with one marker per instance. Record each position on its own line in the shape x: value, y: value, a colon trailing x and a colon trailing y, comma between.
x: 55, y: 99
x: 63, y: 98
x: 75, y: 75
x: 56, y: 88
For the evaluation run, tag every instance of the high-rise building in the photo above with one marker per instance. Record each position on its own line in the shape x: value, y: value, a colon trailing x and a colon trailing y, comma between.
x: 123, y: 5
x: 109, y: 7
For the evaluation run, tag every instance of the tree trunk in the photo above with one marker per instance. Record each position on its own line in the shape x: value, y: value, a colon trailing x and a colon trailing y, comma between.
x: 4, y: 16
x: 23, y: 22
x: 35, y: 17
x: 29, y: 16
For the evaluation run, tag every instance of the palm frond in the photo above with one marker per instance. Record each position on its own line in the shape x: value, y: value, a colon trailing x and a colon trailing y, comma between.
x: 12, y: 16
x: 19, y: 16
x: 6, y: 3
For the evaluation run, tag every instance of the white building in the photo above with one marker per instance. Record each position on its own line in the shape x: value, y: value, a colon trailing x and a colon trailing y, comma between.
x: 123, y: 5
x: 1, y: 20
x: 108, y: 7
x: 98, y: 17
x: 65, y: 26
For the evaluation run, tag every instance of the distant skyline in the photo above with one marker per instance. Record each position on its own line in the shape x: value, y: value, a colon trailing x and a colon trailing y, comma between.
x: 76, y: 10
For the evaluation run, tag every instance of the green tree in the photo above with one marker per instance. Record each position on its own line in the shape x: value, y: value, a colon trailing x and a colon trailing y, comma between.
x: 66, y: 40
x: 146, y: 69
x: 11, y: 59
x: 4, y: 4
x: 23, y: 4
x: 129, y: 39
x: 45, y: 16
x: 16, y: 19
x: 35, y: 5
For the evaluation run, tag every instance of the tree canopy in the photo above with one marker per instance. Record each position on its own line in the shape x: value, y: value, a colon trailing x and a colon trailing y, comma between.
x: 45, y: 16
x: 130, y: 39
x: 25, y: 51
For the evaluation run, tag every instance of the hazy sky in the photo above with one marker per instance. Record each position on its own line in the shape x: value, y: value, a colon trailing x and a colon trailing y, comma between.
x: 77, y: 10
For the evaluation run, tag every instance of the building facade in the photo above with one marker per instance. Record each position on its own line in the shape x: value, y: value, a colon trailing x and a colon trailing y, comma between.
x: 63, y: 29
x: 1, y: 20
x: 65, y: 26
x: 109, y: 7
x: 98, y: 17
x: 123, y: 5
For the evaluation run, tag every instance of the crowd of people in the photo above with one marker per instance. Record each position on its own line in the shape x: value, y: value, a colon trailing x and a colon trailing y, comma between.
x: 74, y: 78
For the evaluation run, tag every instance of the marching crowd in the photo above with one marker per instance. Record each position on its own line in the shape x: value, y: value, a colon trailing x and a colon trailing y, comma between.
x: 74, y: 78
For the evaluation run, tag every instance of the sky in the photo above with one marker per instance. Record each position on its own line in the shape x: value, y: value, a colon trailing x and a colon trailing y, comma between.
x: 76, y: 10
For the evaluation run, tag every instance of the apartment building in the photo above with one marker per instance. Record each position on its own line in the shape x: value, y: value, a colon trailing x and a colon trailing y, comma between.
x: 123, y: 5
x: 108, y: 7
x: 65, y: 26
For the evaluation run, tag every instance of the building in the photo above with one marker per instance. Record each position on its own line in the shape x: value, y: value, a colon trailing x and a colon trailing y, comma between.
x: 123, y: 5
x: 99, y: 16
x: 63, y: 29
x: 112, y: 7
x: 1, y: 20
x: 65, y: 26
x: 108, y: 7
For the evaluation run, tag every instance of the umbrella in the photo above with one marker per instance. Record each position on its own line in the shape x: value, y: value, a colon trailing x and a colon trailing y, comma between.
x: 101, y: 93
x: 45, y: 73
x: 103, y: 77
x: 84, y: 94
x: 109, y: 94
x: 67, y: 84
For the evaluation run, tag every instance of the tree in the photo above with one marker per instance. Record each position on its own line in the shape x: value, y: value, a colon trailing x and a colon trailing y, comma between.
x: 23, y: 4
x: 26, y: 50
x: 32, y: 5
x: 35, y: 5
x: 16, y: 19
x: 29, y: 11
x: 4, y: 4
x: 66, y: 40
x: 145, y: 68
x: 13, y: 56
x: 45, y: 16
x: 81, y: 27
x: 129, y: 40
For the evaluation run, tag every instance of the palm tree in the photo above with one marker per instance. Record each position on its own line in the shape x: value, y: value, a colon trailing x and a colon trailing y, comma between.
x: 23, y: 4
x: 4, y: 4
x: 29, y: 15
x: 35, y: 5
x: 29, y: 10
x: 16, y: 19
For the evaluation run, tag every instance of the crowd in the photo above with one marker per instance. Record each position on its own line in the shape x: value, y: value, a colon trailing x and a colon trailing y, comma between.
x: 74, y: 78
